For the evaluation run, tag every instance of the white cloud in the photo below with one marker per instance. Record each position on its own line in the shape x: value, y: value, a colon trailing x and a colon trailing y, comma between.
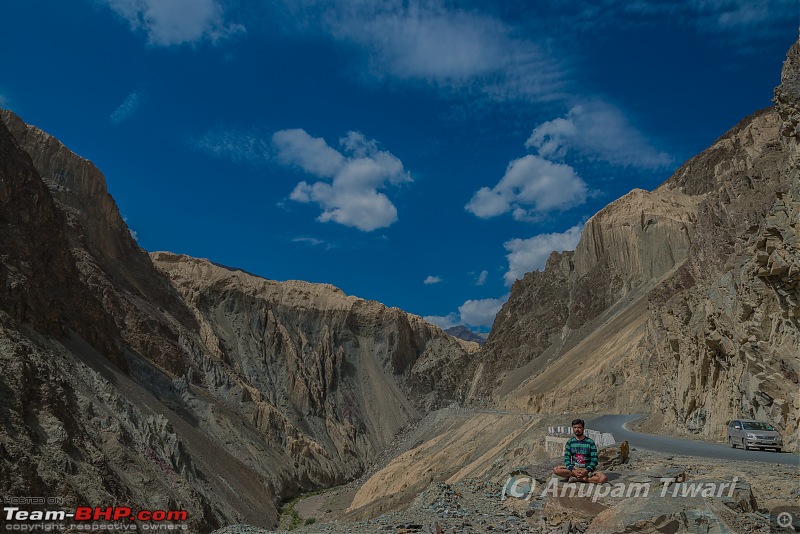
x: 481, y: 312
x: 174, y: 22
x: 358, y: 172
x: 476, y: 313
x: 599, y: 132
x: 530, y: 186
x: 432, y: 280
x: 5, y: 103
x: 128, y: 107
x: 527, y: 255
x: 237, y: 145
x: 482, y: 278
x: 432, y: 42
x: 444, y: 321
x: 312, y: 154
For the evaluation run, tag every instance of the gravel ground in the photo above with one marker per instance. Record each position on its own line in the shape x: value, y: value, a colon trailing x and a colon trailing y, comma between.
x: 473, y: 505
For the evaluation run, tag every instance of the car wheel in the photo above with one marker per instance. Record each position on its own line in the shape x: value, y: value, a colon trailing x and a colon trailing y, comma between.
x: 733, y: 445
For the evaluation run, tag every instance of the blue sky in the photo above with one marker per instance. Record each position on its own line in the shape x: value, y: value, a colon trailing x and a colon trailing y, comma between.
x: 423, y: 154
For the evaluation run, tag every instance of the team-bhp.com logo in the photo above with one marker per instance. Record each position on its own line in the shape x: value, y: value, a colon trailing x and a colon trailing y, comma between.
x: 93, y: 518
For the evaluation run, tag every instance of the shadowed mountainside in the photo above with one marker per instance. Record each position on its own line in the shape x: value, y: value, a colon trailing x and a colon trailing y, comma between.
x: 183, y: 384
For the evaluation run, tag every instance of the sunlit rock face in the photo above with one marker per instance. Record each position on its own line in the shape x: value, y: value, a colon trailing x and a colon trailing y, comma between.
x: 680, y: 302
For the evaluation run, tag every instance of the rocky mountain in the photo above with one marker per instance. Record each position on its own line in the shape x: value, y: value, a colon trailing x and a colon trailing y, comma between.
x: 168, y: 382
x: 680, y: 302
x: 463, y: 332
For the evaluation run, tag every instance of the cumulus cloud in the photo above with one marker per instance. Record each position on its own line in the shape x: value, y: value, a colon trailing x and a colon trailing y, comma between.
x: 444, y: 321
x: 240, y: 146
x: 357, y: 172
x: 525, y: 255
x: 312, y: 154
x: 433, y: 42
x: 432, y: 280
x: 481, y: 312
x: 174, y: 22
x: 477, y: 313
x: 127, y: 108
x: 531, y: 186
x: 597, y: 131
x: 481, y: 280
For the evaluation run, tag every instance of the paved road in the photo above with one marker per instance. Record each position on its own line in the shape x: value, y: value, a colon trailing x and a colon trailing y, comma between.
x: 615, y: 425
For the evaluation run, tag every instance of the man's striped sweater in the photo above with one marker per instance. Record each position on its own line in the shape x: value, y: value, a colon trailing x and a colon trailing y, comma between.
x: 580, y: 453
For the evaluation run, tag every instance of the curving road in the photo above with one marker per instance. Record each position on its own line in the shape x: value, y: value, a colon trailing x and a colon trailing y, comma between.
x: 616, y: 425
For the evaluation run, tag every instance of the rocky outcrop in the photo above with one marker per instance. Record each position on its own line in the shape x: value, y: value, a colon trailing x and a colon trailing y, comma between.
x: 531, y: 321
x: 40, y: 284
x: 340, y: 369
x: 111, y: 265
x: 623, y: 250
x: 728, y: 340
x: 681, y: 302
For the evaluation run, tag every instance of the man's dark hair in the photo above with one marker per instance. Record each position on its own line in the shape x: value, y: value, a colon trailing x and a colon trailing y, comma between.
x: 578, y: 422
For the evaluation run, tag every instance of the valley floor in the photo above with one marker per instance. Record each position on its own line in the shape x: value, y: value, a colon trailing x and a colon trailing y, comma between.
x: 449, y: 472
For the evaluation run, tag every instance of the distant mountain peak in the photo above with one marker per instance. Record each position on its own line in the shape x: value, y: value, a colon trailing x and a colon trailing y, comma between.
x: 463, y: 332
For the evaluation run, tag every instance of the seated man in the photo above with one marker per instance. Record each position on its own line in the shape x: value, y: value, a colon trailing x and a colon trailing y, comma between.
x: 580, y: 458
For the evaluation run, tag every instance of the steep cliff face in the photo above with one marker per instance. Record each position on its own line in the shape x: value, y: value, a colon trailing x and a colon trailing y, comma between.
x: 531, y: 321
x: 624, y: 249
x: 681, y: 302
x: 111, y: 265
x: 221, y: 394
x: 728, y: 341
x: 341, y: 369
x: 633, y: 241
x: 68, y: 429
x: 39, y: 281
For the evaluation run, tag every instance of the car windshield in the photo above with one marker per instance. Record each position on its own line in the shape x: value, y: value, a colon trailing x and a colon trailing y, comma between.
x: 757, y: 425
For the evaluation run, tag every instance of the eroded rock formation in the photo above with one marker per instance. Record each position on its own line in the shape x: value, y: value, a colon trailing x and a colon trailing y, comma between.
x: 681, y: 302
x: 183, y: 384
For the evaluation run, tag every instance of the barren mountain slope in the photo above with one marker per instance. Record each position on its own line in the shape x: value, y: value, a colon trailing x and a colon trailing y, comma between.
x: 68, y: 429
x: 339, y: 368
x: 184, y: 404
x: 681, y: 302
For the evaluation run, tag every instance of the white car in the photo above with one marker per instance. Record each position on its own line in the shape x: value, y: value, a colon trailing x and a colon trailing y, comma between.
x: 749, y: 434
